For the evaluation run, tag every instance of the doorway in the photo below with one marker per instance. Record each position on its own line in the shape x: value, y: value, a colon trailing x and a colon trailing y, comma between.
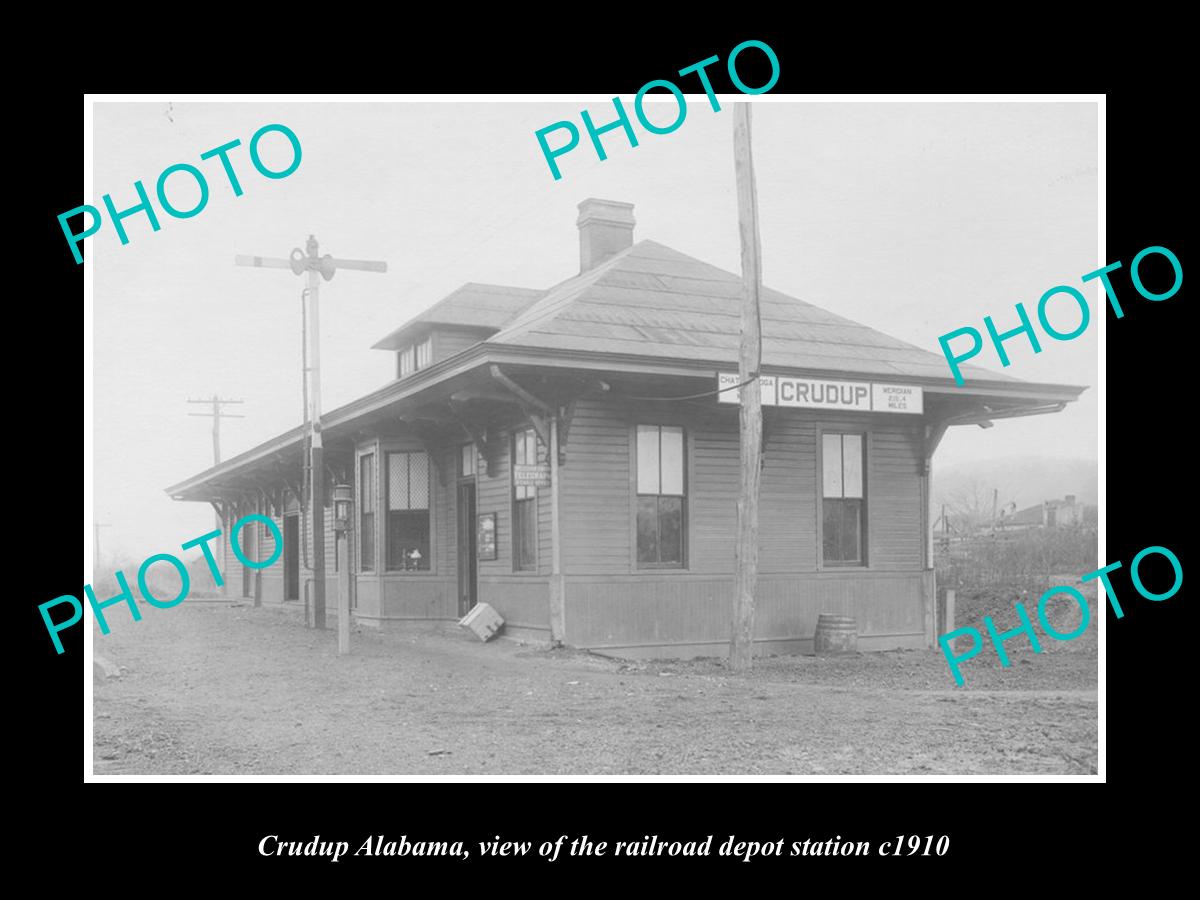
x: 291, y: 557
x: 467, y: 589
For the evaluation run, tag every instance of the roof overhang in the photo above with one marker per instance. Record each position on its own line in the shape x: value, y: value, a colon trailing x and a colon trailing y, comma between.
x: 440, y: 381
x: 416, y: 332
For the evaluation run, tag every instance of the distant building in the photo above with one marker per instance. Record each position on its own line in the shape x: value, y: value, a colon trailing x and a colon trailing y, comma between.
x: 622, y: 541
x: 1048, y: 514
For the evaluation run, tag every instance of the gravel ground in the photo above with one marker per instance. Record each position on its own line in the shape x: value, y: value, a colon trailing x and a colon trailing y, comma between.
x: 219, y: 689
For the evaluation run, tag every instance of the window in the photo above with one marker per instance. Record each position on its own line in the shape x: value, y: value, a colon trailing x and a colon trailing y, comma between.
x: 404, y: 362
x: 843, y: 499
x: 407, y: 511
x: 660, y: 496
x: 366, y: 506
x: 414, y: 357
x: 524, y: 513
x: 424, y: 352
x: 466, y: 461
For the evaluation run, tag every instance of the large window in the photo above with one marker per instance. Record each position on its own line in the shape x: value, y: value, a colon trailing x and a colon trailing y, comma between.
x: 366, y: 506
x: 407, y: 511
x: 524, y: 507
x: 660, y: 496
x: 843, y: 500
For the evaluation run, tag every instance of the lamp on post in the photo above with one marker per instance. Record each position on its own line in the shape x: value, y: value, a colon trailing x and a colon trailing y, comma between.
x: 342, y: 496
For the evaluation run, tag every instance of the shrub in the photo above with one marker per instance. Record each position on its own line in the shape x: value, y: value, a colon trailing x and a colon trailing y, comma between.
x: 1023, y: 560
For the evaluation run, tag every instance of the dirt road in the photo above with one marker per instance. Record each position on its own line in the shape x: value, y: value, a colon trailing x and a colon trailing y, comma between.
x: 215, y: 689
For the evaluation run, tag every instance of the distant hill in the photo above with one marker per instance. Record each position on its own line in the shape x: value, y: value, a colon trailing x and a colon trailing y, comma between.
x: 1023, y: 480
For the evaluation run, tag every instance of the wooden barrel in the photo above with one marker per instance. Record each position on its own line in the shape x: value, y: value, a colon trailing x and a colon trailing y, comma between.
x: 835, y: 635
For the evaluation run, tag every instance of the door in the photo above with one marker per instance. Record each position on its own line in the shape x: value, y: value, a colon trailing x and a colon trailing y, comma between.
x: 466, y: 547
x: 291, y: 557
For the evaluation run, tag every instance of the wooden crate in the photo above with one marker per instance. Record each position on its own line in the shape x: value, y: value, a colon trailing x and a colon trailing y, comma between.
x: 482, y: 621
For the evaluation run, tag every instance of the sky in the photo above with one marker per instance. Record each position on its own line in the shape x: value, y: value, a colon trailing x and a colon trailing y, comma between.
x: 913, y: 218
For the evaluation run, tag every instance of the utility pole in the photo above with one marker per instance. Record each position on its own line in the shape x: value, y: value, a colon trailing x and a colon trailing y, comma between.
x: 300, y: 262
x: 216, y: 415
x: 741, y: 642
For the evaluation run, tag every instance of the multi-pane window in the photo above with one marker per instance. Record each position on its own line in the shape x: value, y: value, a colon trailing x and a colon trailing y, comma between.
x: 414, y: 357
x: 407, y: 511
x: 405, y: 360
x: 424, y: 352
x: 843, y: 500
x: 660, y: 496
x: 366, y: 506
x: 524, y: 511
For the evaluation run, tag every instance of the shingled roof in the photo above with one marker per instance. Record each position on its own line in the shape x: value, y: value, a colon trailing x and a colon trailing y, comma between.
x: 652, y: 300
x: 472, y: 305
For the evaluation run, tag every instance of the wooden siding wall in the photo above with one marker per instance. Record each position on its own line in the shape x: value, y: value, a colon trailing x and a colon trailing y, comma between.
x: 657, y: 615
x: 612, y: 603
x: 522, y: 598
x: 233, y: 568
x: 272, y: 576
x: 449, y: 342
x: 598, y: 498
x: 248, y: 536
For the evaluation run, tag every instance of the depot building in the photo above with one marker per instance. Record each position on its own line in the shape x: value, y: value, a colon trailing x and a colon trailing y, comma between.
x: 570, y: 456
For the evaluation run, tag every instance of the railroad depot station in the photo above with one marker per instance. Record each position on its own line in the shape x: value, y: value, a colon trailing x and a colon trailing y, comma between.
x: 564, y: 455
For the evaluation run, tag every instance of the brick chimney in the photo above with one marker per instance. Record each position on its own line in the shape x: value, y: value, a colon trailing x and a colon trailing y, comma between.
x: 605, y: 229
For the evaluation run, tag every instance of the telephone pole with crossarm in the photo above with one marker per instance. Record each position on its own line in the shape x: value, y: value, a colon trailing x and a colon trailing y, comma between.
x: 216, y: 415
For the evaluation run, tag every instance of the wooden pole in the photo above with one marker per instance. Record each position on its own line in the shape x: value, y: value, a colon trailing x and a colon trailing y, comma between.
x: 260, y: 507
x: 217, y: 415
x: 317, y: 454
x: 557, y: 601
x: 741, y: 644
x: 343, y: 599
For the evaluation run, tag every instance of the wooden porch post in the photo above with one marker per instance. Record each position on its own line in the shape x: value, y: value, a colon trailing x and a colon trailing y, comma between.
x: 260, y: 506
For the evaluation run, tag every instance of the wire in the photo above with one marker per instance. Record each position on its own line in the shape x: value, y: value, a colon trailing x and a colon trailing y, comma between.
x: 732, y: 387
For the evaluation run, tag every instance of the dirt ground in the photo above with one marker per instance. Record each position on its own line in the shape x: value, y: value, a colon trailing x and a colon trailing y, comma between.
x: 212, y: 688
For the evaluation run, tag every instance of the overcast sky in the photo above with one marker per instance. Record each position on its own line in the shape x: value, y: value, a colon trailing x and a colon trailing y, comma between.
x: 915, y: 219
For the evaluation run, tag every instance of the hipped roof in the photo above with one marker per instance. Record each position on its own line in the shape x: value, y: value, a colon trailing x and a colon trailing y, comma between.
x: 652, y: 300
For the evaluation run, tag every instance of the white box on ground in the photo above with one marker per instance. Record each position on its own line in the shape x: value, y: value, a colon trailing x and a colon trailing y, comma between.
x: 482, y: 621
